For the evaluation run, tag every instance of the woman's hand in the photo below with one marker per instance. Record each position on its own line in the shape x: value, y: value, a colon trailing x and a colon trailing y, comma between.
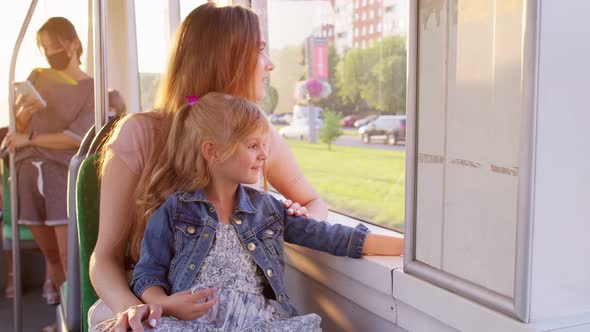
x: 132, y: 318
x: 295, y: 209
x: 28, y: 104
x: 187, y: 305
x: 15, y: 141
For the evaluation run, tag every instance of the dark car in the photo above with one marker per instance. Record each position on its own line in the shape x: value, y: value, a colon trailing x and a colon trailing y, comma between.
x: 392, y: 128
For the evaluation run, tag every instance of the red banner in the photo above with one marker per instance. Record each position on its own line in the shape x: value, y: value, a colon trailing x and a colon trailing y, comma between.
x: 319, y: 58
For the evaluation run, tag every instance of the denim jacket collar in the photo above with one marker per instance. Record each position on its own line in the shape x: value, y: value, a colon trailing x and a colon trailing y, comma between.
x: 243, y: 204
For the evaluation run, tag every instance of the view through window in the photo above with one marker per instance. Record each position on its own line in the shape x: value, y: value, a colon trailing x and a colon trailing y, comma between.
x: 340, y: 66
x: 347, y: 59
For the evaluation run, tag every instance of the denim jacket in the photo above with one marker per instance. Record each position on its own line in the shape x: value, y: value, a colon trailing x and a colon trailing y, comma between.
x: 180, y: 233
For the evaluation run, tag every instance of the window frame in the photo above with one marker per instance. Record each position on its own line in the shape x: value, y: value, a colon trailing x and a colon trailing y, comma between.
x: 518, y: 305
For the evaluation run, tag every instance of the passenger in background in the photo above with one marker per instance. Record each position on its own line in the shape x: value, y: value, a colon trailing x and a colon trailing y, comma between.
x: 217, y: 49
x: 48, y: 137
x: 116, y: 103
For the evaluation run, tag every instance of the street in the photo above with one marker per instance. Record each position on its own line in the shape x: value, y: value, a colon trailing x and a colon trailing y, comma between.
x: 349, y: 140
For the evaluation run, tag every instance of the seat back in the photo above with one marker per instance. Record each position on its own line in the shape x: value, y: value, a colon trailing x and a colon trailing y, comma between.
x: 87, y: 210
x: 26, y: 237
x: 71, y: 292
x: 87, y: 206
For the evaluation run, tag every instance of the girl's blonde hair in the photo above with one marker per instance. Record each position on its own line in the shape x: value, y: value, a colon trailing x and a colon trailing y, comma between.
x: 181, y: 166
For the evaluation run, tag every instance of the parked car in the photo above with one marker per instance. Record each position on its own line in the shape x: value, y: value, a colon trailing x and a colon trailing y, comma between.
x: 361, y: 122
x: 278, y: 119
x: 299, y: 130
x: 348, y: 121
x: 288, y: 118
x: 391, y: 128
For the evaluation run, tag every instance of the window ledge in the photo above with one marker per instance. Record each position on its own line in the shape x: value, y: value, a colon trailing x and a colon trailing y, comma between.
x: 453, y: 310
x: 366, y: 281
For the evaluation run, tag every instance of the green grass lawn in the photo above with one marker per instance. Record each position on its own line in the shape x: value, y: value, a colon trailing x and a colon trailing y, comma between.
x: 346, y: 131
x: 350, y: 131
x: 362, y: 182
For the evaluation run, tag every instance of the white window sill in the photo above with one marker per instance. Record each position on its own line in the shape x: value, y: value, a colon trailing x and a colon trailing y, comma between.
x: 379, y: 284
x: 366, y: 281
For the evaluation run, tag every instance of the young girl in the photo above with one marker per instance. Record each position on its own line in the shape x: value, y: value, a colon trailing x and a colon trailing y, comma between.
x: 215, y: 233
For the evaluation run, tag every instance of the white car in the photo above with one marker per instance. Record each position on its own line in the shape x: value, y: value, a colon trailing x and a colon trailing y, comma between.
x: 299, y: 130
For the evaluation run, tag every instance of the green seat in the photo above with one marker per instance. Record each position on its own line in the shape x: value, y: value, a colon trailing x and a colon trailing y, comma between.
x: 87, y: 209
x: 87, y: 213
x: 26, y: 236
x: 70, y: 309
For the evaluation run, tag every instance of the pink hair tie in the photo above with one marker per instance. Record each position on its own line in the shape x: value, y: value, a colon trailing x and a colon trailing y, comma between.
x: 192, y: 99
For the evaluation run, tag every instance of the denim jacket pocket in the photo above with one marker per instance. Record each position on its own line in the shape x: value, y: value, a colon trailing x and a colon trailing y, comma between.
x: 186, y: 236
x: 272, y: 238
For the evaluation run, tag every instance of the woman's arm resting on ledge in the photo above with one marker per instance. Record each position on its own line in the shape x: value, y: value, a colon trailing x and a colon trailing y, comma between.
x: 284, y: 175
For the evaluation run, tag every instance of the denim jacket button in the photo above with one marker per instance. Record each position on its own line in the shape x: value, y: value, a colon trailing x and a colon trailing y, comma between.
x: 211, y: 209
x: 206, y: 235
x: 280, y: 299
x: 191, y: 266
x: 191, y: 230
x: 269, y: 273
x: 251, y: 246
x: 238, y: 221
x: 269, y: 232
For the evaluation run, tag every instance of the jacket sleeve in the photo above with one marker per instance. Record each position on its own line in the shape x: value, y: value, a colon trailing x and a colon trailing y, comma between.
x: 157, y: 251
x: 335, y: 239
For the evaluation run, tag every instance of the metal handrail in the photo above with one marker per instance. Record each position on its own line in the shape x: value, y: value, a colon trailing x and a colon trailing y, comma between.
x: 16, y: 272
x: 101, y: 96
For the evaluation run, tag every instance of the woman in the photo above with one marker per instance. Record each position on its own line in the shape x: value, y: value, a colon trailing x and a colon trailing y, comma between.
x: 47, y: 138
x: 217, y: 49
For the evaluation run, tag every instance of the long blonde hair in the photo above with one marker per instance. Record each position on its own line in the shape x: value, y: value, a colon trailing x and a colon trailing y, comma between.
x: 221, y: 118
x: 216, y: 49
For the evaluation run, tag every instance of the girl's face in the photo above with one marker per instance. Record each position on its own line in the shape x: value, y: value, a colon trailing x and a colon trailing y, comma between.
x: 245, y: 165
x: 263, y: 69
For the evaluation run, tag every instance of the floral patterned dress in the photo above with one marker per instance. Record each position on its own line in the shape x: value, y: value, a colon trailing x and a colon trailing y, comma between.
x: 240, y: 304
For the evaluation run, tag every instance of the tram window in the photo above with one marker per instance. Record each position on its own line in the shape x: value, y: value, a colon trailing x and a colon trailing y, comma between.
x: 29, y: 55
x: 363, y: 176
x: 186, y: 6
x: 152, y: 46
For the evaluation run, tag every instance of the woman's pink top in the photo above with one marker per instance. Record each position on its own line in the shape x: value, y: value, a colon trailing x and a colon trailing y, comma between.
x: 133, y: 140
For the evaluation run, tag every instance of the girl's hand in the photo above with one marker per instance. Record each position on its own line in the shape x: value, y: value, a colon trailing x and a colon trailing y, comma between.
x: 15, y: 141
x: 295, y: 209
x: 132, y: 318
x: 187, y: 305
x: 28, y: 104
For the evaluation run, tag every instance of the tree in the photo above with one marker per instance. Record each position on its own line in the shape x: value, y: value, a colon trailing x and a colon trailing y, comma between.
x: 287, y: 72
x: 270, y: 101
x: 331, y: 129
x: 375, y: 76
x: 335, y: 101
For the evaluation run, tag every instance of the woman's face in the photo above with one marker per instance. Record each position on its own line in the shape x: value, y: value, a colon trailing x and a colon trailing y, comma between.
x: 59, y: 53
x: 263, y: 69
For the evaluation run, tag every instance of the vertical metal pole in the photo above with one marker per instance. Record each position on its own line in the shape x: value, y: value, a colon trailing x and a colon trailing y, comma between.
x: 16, y: 273
x: 172, y: 20
x: 101, y: 97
